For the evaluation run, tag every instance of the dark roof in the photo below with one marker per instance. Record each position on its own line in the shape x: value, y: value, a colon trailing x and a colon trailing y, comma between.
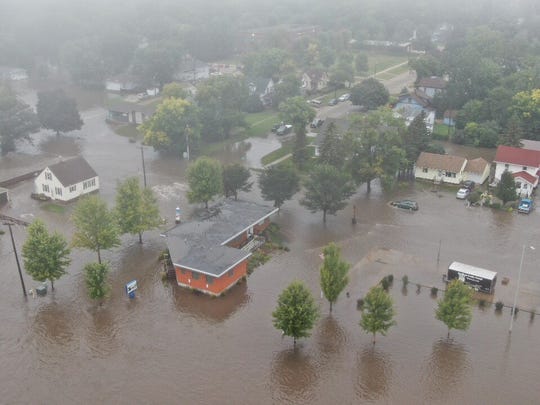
x: 441, y: 162
x: 477, y: 165
x: 72, y: 171
x: 517, y: 156
x: 432, y: 82
x: 200, y: 245
x: 119, y: 104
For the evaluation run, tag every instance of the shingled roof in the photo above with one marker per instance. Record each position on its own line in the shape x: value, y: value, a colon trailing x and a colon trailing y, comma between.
x: 432, y: 82
x: 72, y: 171
x: 441, y: 162
x: 517, y: 156
x: 477, y: 165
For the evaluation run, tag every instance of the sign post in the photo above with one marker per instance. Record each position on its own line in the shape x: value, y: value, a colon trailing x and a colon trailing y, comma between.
x: 131, y: 287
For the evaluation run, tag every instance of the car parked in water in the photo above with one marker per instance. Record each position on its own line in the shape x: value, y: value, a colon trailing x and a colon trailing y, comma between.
x: 405, y: 204
x: 469, y: 184
x: 333, y: 102
x: 525, y: 205
x: 463, y: 193
x: 316, y: 123
x: 344, y: 97
x: 284, y: 129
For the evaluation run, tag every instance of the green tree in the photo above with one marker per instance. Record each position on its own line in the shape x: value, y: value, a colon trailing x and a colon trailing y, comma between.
x: 334, y: 148
x: 58, y: 112
x: 327, y: 190
x: 266, y: 63
x: 370, y: 93
x: 526, y: 105
x: 96, y: 280
x: 279, y: 183
x: 288, y: 86
x: 512, y: 135
x: 361, y: 63
x: 82, y: 59
x: 174, y: 123
x: 45, y: 255
x: 506, y: 188
x: 156, y: 63
x: 205, y: 180
x: 235, y: 178
x: 454, y: 310
x: 17, y: 120
x: 426, y: 66
x: 175, y: 90
x: 95, y: 226
x: 333, y: 273
x: 378, y: 312
x: 484, y: 134
x: 299, y: 113
x: 342, y: 74
x: 416, y: 138
x: 136, y: 208
x: 296, y: 312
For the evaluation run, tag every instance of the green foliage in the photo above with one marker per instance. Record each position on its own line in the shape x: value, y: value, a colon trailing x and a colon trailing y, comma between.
x: 235, y: 178
x: 175, y: 90
x: 299, y: 113
x: 334, y: 147
x: 526, y: 106
x: 265, y: 64
x: 378, y: 312
x: 256, y: 259
x: 279, y: 183
x: 205, y: 180
x: 361, y: 63
x: 416, y: 138
x: 454, y: 310
x: 96, y: 280
x: 485, y: 134
x: 327, y: 190
x: 426, y: 66
x: 296, y: 312
x: 45, y: 255
x: 82, y: 59
x: 333, y: 273
x: 136, y: 209
x: 434, y: 291
x: 287, y: 87
x: 95, y: 225
x: 17, y: 120
x: 156, y: 64
x: 499, y: 305
x: 506, y: 188
x: 370, y: 93
x: 57, y: 111
x: 512, y: 135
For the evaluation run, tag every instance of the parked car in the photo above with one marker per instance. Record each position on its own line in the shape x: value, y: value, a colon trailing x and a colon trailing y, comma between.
x: 463, y: 193
x: 284, y: 129
x: 315, y: 103
x: 316, y: 123
x: 469, y: 184
x: 525, y: 205
x: 405, y: 204
x: 344, y: 97
x: 333, y: 102
x: 275, y: 128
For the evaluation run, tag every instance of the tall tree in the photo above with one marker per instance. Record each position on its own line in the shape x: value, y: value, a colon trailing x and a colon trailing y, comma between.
x: 136, y: 208
x: 512, y: 135
x: 288, y: 86
x: 506, y: 188
x: 156, y: 64
x: 296, y: 312
x: 526, y: 105
x: 58, y: 112
x: 279, y: 183
x: 333, y: 273
x: 96, y: 280
x: 205, y: 180
x: 17, y: 120
x: 327, y: 190
x: 454, y: 310
x: 299, y: 113
x: 95, y: 226
x: 45, y: 255
x: 175, y: 90
x: 416, y: 138
x: 334, y: 147
x: 378, y: 312
x: 235, y: 178
x: 370, y: 93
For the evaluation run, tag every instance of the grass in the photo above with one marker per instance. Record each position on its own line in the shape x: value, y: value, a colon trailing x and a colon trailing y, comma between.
x: 440, y: 131
x: 286, y: 148
x: 260, y: 124
x: 380, y: 61
x: 128, y: 130
x: 57, y: 209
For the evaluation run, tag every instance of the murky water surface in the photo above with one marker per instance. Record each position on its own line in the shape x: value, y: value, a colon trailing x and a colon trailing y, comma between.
x: 171, y: 346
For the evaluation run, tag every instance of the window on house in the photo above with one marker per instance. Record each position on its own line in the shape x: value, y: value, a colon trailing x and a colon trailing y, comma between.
x: 72, y: 188
x: 45, y: 188
x: 209, y: 279
x: 58, y: 190
x: 506, y: 166
x: 450, y: 174
x: 48, y: 176
x: 85, y: 185
x: 525, y: 168
x: 230, y: 273
x: 424, y: 170
x: 195, y: 275
x: 518, y: 184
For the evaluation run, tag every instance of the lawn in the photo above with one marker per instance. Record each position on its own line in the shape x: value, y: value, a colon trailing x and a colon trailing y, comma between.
x: 52, y: 207
x: 440, y: 131
x: 261, y: 123
x: 128, y: 130
x: 378, y: 61
x: 286, y: 148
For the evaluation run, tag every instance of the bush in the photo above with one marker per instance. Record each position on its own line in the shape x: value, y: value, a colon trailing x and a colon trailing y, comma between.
x: 482, y: 303
x: 475, y: 196
x: 496, y: 205
x: 390, y: 278
x: 434, y: 291
x: 499, y: 305
x: 385, y: 284
x: 258, y: 258
x: 360, y: 303
x: 405, y: 280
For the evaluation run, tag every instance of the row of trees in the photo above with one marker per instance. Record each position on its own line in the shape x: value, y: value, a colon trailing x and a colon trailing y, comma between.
x: 296, y: 312
x: 46, y: 255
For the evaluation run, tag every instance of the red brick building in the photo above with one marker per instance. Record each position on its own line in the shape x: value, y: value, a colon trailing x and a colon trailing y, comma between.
x: 210, y: 255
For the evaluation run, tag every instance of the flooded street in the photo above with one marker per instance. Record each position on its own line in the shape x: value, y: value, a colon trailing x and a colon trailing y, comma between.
x: 172, y: 346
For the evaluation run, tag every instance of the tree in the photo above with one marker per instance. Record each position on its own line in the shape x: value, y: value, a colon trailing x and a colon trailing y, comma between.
x: 484, y: 134
x: 266, y: 64
x: 288, y: 86
x: 526, y: 105
x: 82, y: 59
x: 279, y: 183
x: 174, y: 124
x: 175, y: 90
x: 416, y: 138
x: 17, y: 120
x: 454, y: 310
x: 506, y: 188
x: 299, y: 113
x: 370, y: 93
x: 45, y: 255
x: 378, y: 312
x: 426, y: 66
x: 58, y: 112
x: 333, y: 149
x: 136, y: 209
x: 235, y: 178
x: 96, y: 279
x: 296, y: 312
x: 513, y: 134
x: 341, y: 74
x: 327, y: 190
x: 156, y: 64
x: 333, y: 274
x: 95, y: 226
x: 205, y: 180
x: 361, y: 63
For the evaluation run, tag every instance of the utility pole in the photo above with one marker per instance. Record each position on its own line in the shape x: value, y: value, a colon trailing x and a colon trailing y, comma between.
x: 16, y: 258
x: 143, y: 167
x: 187, y: 141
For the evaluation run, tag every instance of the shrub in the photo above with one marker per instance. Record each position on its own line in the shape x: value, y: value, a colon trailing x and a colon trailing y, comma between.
x: 360, y: 303
x: 499, y: 305
x: 482, y: 303
x: 496, y: 205
x: 434, y: 291
x: 390, y: 278
x: 256, y: 260
x: 405, y: 280
x: 475, y: 196
x: 385, y: 284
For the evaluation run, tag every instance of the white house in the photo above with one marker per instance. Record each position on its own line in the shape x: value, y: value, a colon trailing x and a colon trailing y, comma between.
x: 314, y: 81
x: 516, y: 160
x: 121, y: 83
x: 525, y: 183
x: 67, y: 180
x: 440, y: 168
x: 476, y: 170
x: 409, y: 106
x: 431, y: 86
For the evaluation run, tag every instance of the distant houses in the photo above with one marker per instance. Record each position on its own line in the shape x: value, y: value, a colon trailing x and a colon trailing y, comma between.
x: 313, y: 81
x: 67, y: 180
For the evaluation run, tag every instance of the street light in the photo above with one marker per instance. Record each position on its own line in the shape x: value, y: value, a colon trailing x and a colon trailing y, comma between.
x: 512, y: 314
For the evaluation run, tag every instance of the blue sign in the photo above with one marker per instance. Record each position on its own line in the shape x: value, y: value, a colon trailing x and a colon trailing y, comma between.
x: 131, y: 287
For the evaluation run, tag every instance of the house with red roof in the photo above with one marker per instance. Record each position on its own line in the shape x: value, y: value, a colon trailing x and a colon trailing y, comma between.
x: 524, y: 164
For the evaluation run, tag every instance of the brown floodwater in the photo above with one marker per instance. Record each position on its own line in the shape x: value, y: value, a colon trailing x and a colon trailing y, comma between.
x: 172, y: 346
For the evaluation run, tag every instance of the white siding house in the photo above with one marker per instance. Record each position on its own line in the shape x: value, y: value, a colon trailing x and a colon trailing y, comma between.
x: 516, y: 160
x: 476, y: 170
x: 67, y: 180
x: 440, y: 168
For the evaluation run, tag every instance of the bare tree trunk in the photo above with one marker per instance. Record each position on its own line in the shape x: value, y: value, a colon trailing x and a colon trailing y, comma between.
x: 324, y: 216
x: 330, y: 306
x: 140, y: 237
x: 294, y: 341
x: 52, y: 284
x: 369, y: 186
x: 99, y: 256
x: 373, y: 337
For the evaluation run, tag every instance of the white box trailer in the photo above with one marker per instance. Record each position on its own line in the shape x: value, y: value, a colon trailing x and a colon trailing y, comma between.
x: 480, y: 279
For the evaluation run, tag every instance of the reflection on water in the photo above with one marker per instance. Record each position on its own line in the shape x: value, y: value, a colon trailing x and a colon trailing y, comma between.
x: 444, y: 369
x: 330, y: 337
x: 102, y: 332
x: 374, y: 374
x: 293, y: 375
x: 64, y: 146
